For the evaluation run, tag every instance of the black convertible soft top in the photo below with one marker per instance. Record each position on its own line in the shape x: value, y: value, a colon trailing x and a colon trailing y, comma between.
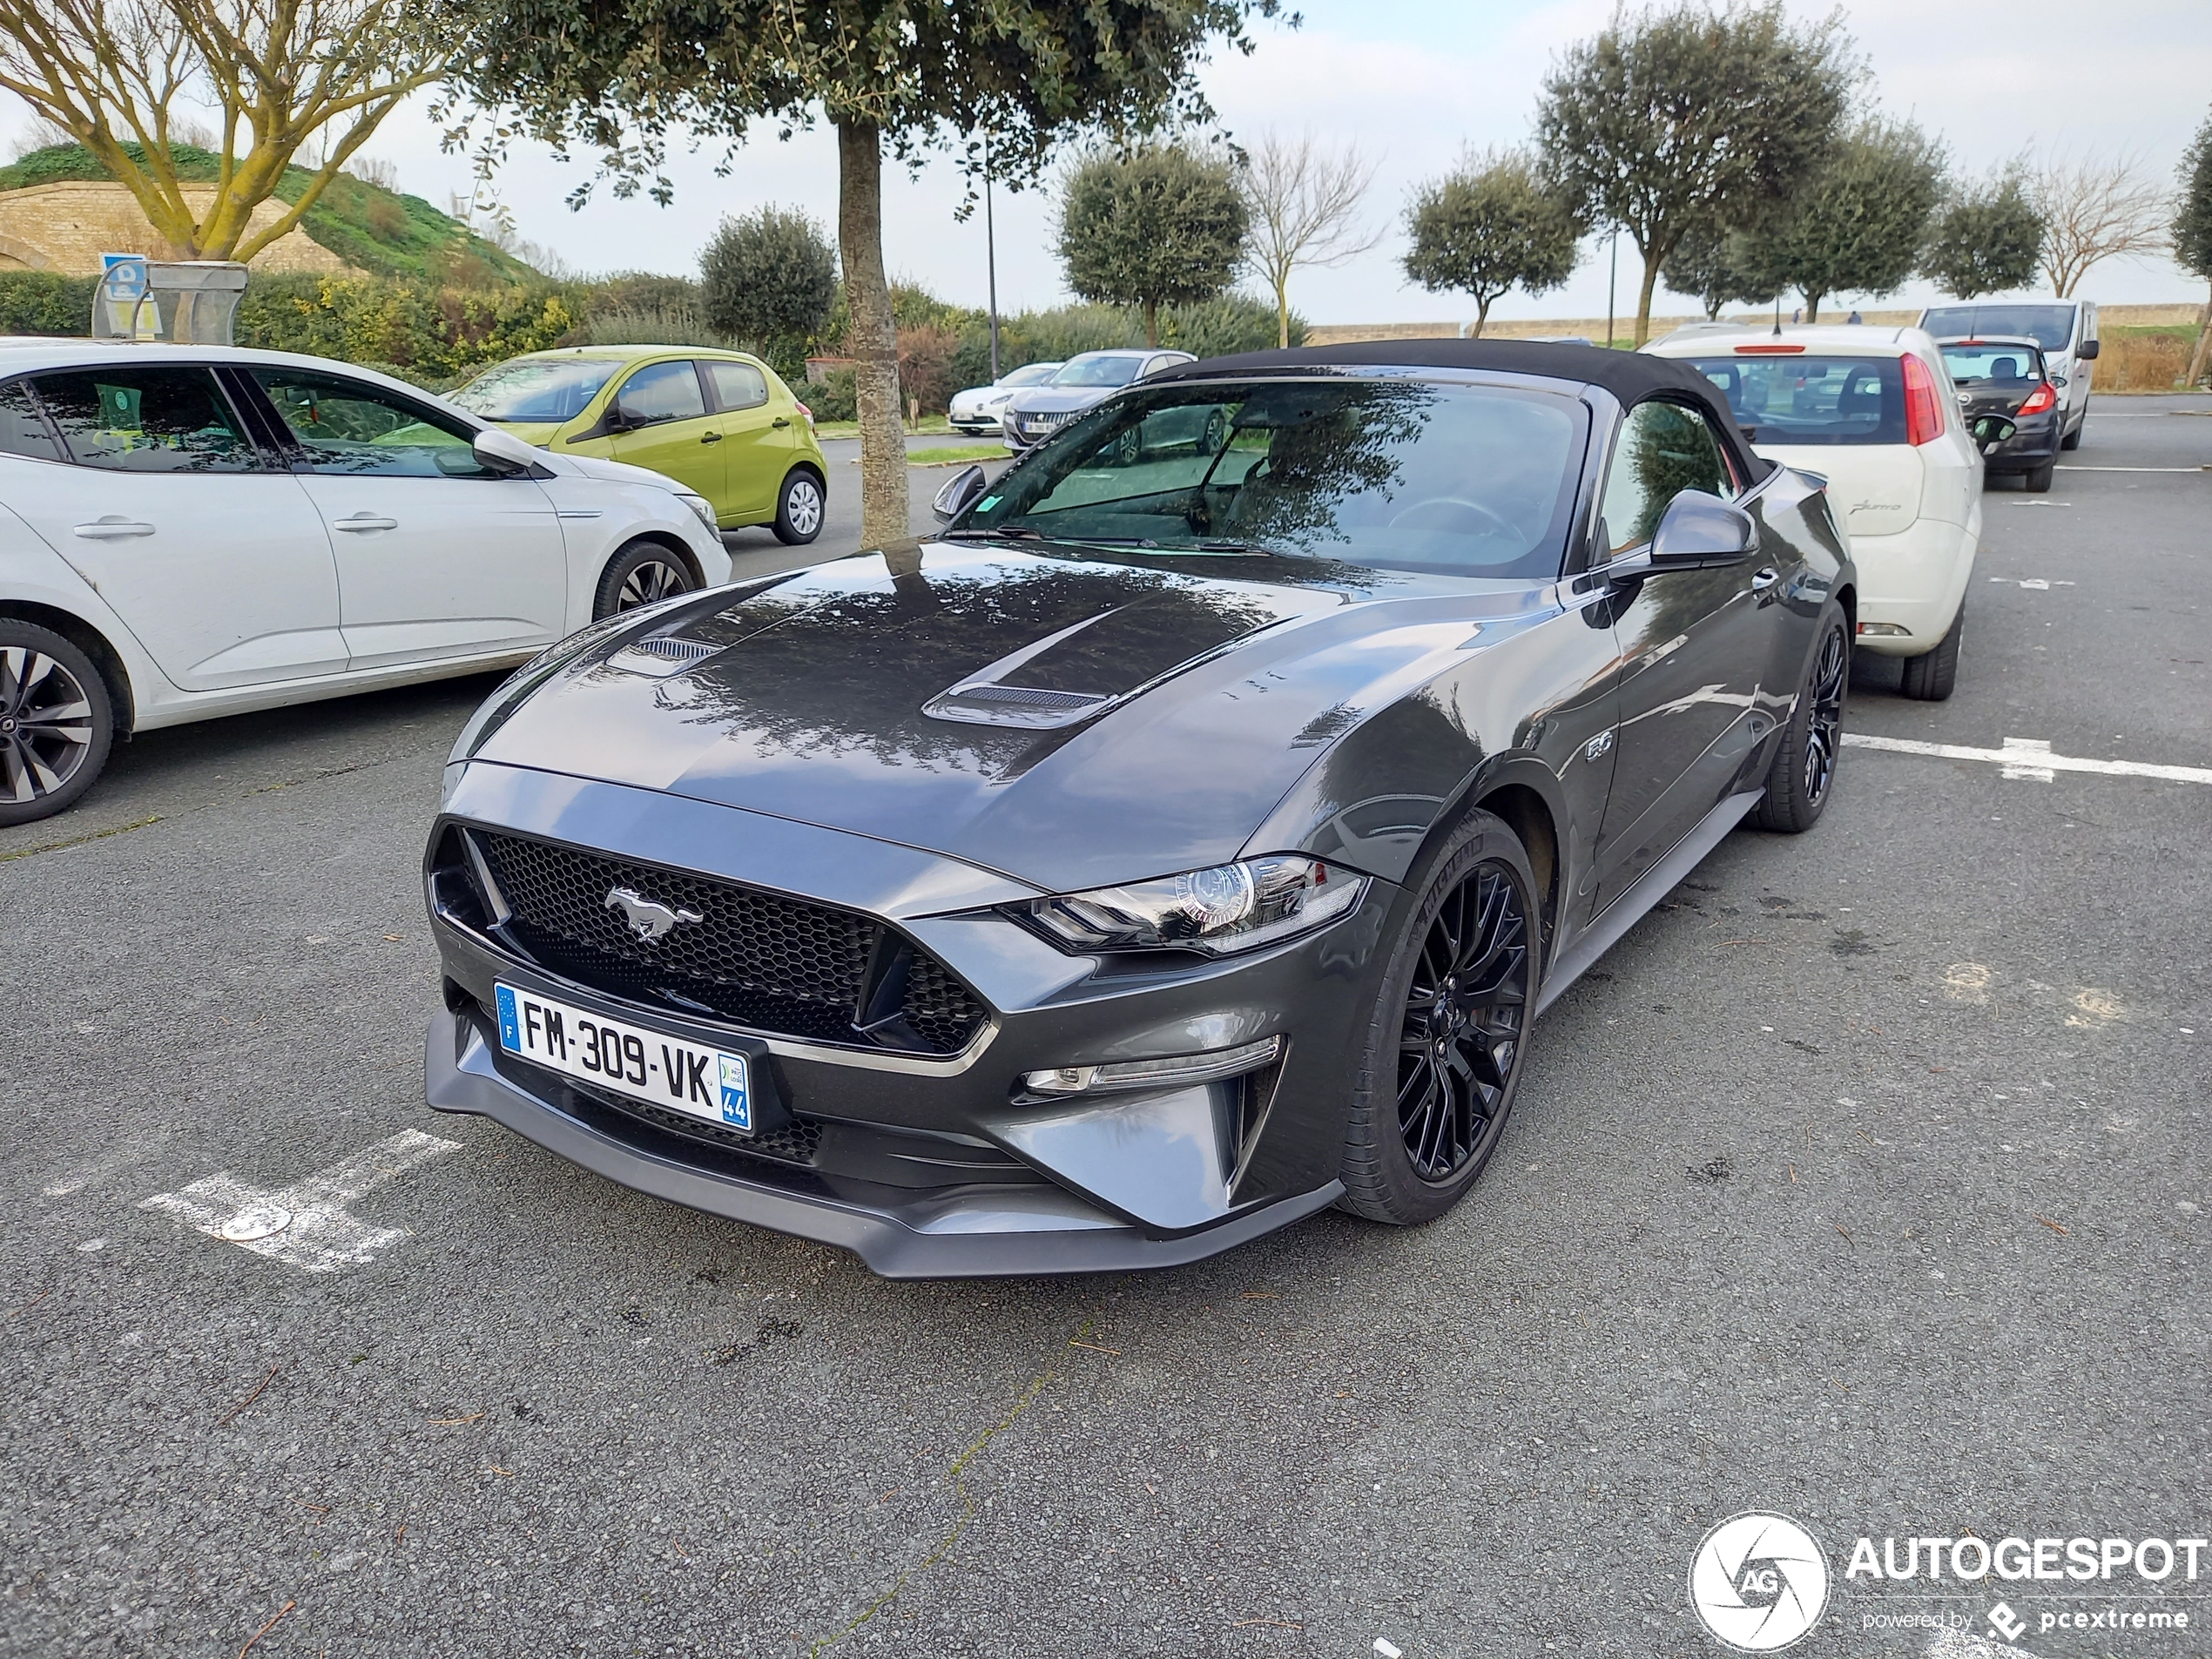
x: 1630, y: 375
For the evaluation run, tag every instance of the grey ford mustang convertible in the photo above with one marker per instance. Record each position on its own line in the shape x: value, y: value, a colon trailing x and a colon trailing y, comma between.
x: 1185, y: 839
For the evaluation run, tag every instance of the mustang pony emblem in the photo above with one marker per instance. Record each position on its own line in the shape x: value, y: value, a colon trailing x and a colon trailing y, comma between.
x: 648, y: 919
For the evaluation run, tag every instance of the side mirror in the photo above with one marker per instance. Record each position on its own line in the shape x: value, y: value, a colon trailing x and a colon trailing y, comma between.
x: 503, y: 451
x: 958, y: 495
x: 1700, y: 528
x: 2088, y: 352
x: 1990, y: 430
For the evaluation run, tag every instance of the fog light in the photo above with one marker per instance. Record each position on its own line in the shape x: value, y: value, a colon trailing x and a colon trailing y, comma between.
x: 1886, y: 629
x: 1174, y: 1072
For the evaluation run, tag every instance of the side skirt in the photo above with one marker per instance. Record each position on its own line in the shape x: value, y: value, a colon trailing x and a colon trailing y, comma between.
x: 1658, y: 881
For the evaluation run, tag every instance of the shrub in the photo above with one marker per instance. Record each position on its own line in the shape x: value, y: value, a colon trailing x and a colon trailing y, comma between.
x: 46, y: 302
x: 649, y: 325
x: 770, y: 276
x: 926, y: 367
x: 834, y: 397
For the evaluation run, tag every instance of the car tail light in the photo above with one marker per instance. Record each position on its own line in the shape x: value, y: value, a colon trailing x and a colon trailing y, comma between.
x: 1923, y: 408
x: 2043, y: 397
x: 1766, y: 351
x: 804, y: 410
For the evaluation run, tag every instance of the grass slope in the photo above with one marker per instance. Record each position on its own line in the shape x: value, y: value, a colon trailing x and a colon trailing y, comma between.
x: 372, y: 229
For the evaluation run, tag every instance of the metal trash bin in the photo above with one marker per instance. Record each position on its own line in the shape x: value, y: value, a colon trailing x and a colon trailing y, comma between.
x: 187, y: 301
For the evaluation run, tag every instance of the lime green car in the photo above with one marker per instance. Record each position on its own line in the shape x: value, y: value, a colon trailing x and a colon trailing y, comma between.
x: 720, y: 422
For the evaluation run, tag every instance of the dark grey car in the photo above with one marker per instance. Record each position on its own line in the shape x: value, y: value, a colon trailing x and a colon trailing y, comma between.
x: 1185, y: 841
x: 1083, y: 382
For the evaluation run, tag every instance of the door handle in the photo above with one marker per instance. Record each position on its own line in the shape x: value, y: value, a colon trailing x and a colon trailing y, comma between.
x: 779, y: 420
x: 709, y: 437
x: 360, y: 522
x: 113, y: 528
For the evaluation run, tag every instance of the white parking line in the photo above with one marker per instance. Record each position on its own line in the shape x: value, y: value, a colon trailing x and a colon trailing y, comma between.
x: 2073, y: 469
x: 305, y: 1225
x: 2012, y: 757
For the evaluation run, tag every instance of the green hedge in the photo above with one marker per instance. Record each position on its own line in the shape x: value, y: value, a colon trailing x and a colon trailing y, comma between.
x: 46, y: 302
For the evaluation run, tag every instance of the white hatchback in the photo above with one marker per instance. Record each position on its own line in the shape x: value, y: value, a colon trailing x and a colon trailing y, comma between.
x: 194, y: 531
x: 1874, y: 412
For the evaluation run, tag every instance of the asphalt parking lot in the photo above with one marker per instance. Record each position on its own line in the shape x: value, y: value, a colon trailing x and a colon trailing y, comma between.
x: 1865, y: 1182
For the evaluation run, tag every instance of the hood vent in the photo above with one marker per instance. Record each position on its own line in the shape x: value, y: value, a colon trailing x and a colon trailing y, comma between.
x: 657, y: 658
x: 1022, y: 705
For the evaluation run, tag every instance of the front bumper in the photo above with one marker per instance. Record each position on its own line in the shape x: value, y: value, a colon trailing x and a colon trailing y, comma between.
x: 939, y: 1165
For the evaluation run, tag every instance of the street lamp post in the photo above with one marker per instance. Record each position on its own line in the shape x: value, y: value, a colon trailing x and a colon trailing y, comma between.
x: 991, y: 261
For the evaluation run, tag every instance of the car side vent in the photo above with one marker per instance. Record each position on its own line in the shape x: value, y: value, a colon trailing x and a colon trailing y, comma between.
x: 661, y: 658
x: 1021, y: 706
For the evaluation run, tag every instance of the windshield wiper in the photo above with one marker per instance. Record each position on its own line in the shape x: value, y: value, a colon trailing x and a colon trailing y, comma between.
x: 981, y: 534
x: 1254, y: 548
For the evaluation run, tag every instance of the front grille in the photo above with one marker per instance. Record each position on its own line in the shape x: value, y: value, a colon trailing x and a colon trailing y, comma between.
x: 795, y: 1142
x: 761, y: 960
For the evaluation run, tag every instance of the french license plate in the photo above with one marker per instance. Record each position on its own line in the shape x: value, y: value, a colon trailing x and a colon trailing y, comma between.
x: 710, y: 1084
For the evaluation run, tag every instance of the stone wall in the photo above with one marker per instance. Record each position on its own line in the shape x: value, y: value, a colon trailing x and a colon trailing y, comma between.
x: 67, y: 226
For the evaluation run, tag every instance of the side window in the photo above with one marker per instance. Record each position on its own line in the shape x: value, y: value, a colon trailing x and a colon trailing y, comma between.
x: 126, y: 418
x: 22, y: 430
x: 661, y: 391
x: 359, y: 430
x: 737, y: 386
x: 1663, y: 449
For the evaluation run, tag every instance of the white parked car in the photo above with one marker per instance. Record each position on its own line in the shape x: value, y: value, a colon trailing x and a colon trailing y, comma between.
x: 978, y: 408
x: 2066, y: 330
x: 1874, y: 411
x: 193, y: 531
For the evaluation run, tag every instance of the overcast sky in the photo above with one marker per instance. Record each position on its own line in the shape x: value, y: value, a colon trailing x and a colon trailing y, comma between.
x: 1414, y: 82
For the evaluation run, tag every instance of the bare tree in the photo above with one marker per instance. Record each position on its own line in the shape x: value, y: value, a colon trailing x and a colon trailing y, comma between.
x: 1304, y: 205
x: 2095, y: 208
x: 124, y: 78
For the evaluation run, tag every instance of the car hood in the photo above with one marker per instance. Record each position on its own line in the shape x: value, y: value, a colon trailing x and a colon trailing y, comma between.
x: 1069, y: 721
x: 1059, y: 399
x: 612, y: 472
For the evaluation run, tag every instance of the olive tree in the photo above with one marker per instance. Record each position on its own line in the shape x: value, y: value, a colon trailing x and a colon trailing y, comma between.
x: 1859, y: 225
x: 1721, y: 266
x: 1161, y: 225
x: 1676, y: 118
x: 129, y: 80
x: 1490, y: 227
x: 1985, y: 238
x: 769, y: 278
x: 895, y: 75
x: 2192, y: 235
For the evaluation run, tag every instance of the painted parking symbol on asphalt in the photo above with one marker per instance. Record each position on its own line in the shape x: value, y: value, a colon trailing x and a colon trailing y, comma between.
x: 305, y: 1225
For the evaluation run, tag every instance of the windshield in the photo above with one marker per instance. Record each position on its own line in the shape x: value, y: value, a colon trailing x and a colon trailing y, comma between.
x: 1101, y: 370
x: 1811, y: 400
x: 1031, y: 374
x: 2049, y: 326
x: 1409, y: 476
x: 536, y: 388
x: 2004, y: 365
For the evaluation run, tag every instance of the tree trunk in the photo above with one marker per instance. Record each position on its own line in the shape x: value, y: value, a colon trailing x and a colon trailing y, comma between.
x: 1152, y: 323
x: 2203, y: 344
x: 1481, y: 316
x: 1812, y: 307
x: 1283, y: 312
x: 1651, y: 259
x: 874, y: 339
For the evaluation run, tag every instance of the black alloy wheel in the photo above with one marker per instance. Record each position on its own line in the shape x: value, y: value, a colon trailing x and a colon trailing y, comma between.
x: 56, y: 723
x: 1802, y: 775
x: 1440, y: 1060
x: 1824, y: 722
x: 1466, y: 1010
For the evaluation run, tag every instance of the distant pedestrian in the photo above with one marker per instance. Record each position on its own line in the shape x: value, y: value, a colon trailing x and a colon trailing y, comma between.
x: 1854, y: 317
x: 1798, y: 316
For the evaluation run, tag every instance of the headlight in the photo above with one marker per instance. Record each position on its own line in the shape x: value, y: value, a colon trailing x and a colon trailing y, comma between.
x: 1229, y: 908
x: 701, y: 507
